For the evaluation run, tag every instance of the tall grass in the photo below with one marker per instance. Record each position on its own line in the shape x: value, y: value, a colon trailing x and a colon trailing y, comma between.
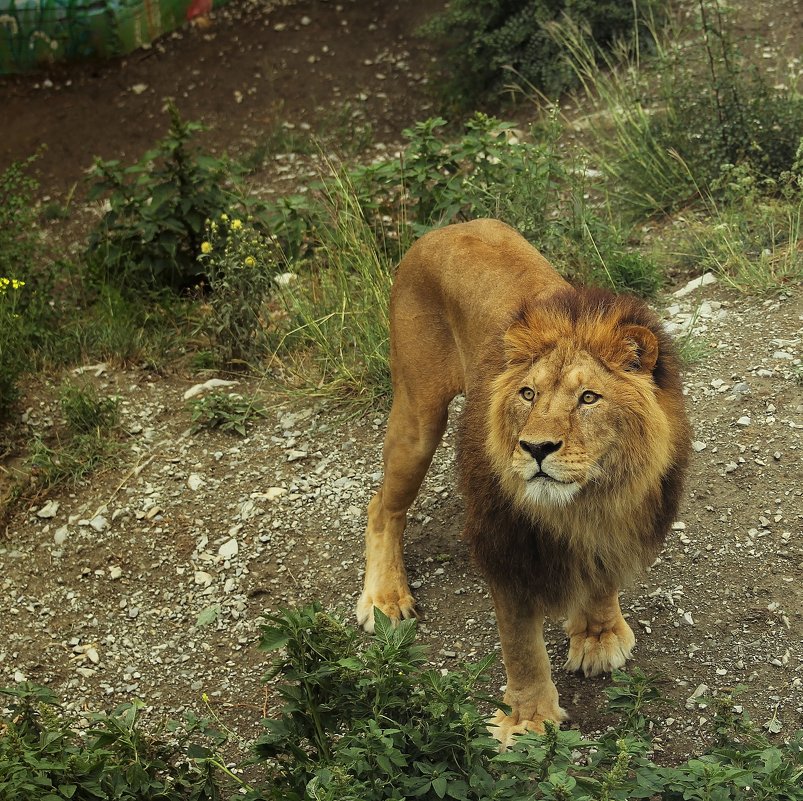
x: 338, y: 340
x: 665, y: 127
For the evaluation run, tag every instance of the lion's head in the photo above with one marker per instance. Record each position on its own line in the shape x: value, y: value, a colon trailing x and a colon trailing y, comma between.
x: 589, y: 402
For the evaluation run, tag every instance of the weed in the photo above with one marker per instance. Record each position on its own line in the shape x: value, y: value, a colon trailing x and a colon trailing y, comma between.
x: 152, y: 233
x: 240, y: 263
x: 340, y: 307
x: 227, y: 412
x: 88, y: 439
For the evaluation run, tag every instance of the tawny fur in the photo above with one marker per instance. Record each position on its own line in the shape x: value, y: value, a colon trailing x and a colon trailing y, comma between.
x: 571, y: 450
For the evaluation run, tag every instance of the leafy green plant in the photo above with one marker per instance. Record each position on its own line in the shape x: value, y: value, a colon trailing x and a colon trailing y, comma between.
x: 486, y: 38
x: 366, y: 721
x: 14, y: 344
x: 43, y: 755
x: 240, y: 262
x: 227, y: 412
x: 85, y: 412
x: 152, y: 232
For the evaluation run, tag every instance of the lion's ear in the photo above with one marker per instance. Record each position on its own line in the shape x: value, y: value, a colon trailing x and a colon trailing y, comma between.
x: 640, y: 349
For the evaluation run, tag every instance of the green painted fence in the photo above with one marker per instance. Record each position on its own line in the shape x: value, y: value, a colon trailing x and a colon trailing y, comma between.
x: 37, y: 32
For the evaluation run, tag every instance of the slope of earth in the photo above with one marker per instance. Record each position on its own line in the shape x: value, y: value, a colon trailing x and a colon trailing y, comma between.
x: 103, y: 587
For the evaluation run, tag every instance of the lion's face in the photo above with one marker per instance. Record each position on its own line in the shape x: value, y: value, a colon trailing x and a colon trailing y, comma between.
x: 573, y: 417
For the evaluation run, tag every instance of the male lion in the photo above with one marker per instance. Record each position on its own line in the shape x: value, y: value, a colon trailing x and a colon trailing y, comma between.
x: 571, y: 449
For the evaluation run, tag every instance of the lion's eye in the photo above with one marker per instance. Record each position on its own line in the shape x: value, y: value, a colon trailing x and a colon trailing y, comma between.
x: 527, y: 394
x: 589, y: 397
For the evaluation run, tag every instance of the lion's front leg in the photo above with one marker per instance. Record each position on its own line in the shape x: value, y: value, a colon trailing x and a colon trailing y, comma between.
x: 385, y: 585
x: 531, y: 694
x: 600, y: 640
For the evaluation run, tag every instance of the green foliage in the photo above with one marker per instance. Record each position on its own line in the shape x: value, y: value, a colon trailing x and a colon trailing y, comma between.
x: 43, y: 756
x: 337, y: 337
x: 151, y: 235
x: 367, y: 722
x: 85, y: 412
x: 227, y: 412
x: 240, y: 263
x: 668, y: 125
x: 484, y: 38
x: 19, y: 239
x: 14, y: 343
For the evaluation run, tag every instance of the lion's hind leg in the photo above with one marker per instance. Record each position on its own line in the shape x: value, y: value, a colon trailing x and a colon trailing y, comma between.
x: 414, y: 431
x: 600, y: 640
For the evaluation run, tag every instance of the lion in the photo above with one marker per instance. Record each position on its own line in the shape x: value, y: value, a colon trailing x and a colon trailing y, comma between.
x: 571, y: 449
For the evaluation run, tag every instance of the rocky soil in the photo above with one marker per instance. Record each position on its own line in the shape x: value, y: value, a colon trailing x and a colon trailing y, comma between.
x: 150, y: 580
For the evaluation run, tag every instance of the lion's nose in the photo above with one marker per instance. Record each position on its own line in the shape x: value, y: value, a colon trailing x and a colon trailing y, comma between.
x: 539, y: 450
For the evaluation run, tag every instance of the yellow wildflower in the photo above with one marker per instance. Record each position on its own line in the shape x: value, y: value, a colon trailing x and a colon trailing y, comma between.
x: 206, y: 247
x: 250, y: 261
x: 15, y: 284
x: 224, y: 217
x: 236, y: 225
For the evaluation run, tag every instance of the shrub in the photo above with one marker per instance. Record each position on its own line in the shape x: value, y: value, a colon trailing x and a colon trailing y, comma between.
x: 43, y: 755
x: 367, y: 721
x: 151, y: 235
x: 486, y: 37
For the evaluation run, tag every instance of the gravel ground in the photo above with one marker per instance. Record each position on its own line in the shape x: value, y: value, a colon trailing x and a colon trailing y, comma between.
x: 150, y: 580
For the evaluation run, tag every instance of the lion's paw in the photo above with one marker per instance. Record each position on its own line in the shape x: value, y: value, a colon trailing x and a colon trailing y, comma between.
x: 505, y: 727
x: 397, y: 605
x: 600, y: 653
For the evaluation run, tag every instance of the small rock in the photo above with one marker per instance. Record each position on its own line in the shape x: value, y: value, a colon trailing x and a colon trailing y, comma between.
x: 133, y: 612
x: 203, y: 578
x: 115, y: 572
x: 19, y: 676
x: 60, y: 536
x: 272, y: 493
x: 698, y: 446
x: 195, y: 481
x: 48, y: 510
x: 99, y: 523
x: 229, y: 549
x: 212, y: 383
x: 294, y: 456
x: 744, y: 420
x: 704, y: 280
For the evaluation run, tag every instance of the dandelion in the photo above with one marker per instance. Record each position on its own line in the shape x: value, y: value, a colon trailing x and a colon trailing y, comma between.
x: 206, y: 247
x: 250, y: 261
x: 236, y: 225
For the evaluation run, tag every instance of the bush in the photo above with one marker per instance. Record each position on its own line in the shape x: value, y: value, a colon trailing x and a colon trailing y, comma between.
x: 151, y: 235
x: 486, y: 37
x: 43, y: 755
x: 368, y: 722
